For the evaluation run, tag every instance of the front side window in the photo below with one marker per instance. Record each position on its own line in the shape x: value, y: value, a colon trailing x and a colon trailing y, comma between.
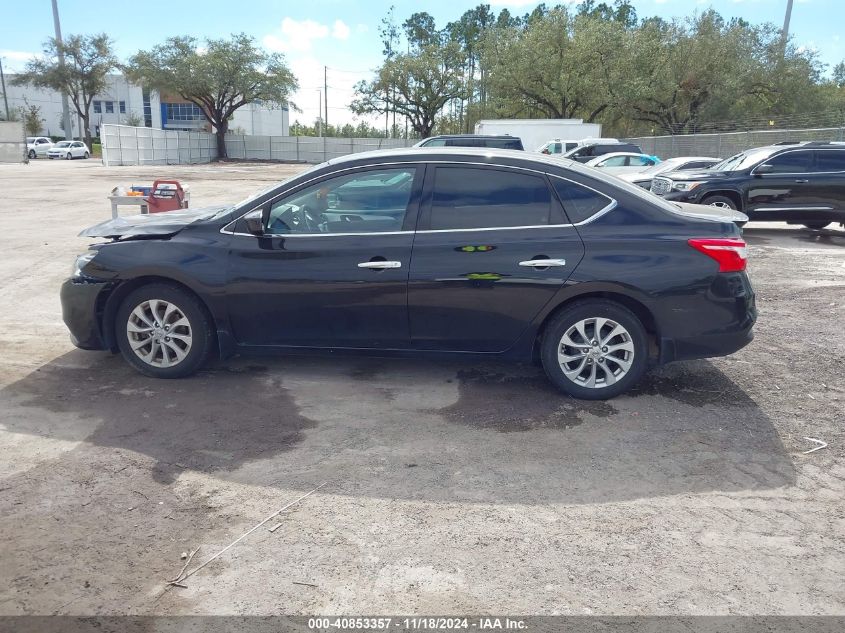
x: 830, y: 160
x: 373, y: 201
x: 791, y: 163
x: 580, y: 203
x: 474, y: 198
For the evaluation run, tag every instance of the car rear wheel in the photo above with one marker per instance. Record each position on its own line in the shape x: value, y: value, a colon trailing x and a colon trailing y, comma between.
x: 31, y: 154
x: 163, y: 331
x: 595, y: 350
x: 722, y: 202
x: 816, y: 226
x: 86, y: 154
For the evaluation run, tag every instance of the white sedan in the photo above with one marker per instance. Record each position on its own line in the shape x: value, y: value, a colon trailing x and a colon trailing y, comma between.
x: 37, y: 146
x: 621, y: 162
x: 68, y: 150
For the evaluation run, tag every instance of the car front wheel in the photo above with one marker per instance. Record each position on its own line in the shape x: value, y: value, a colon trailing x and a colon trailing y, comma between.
x: 595, y: 350
x: 163, y: 331
x: 69, y: 156
x: 722, y: 202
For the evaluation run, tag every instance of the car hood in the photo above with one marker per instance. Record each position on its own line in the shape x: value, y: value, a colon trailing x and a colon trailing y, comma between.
x: 155, y: 224
x: 707, y: 212
x: 634, y: 176
x: 694, y: 174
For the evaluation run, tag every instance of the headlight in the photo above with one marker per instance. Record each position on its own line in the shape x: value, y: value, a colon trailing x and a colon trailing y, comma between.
x: 683, y: 185
x: 79, y: 264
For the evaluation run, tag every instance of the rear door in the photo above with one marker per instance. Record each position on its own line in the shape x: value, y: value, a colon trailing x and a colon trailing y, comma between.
x: 830, y: 177
x: 492, y: 248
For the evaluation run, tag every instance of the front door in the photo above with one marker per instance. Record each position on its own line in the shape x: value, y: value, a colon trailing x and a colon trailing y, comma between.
x: 785, y: 190
x: 332, y: 267
x: 493, y: 248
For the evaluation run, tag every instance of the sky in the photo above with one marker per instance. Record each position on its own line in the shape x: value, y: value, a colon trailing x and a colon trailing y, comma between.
x: 342, y: 35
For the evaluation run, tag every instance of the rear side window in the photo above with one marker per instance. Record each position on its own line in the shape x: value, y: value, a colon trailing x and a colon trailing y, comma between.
x: 465, y: 142
x: 830, y: 160
x: 580, y: 203
x: 791, y: 163
x: 473, y: 198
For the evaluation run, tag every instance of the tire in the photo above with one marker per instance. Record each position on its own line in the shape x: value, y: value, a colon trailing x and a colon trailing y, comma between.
x: 193, y: 339
x: 69, y: 156
x: 86, y: 155
x: 631, y: 350
x: 31, y: 154
x: 816, y: 226
x: 719, y: 201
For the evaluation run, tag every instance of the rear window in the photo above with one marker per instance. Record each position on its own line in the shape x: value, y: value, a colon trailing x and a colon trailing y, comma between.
x: 470, y: 198
x: 580, y: 203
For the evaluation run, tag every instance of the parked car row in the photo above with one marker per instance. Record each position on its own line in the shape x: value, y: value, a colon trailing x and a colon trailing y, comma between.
x: 39, y: 146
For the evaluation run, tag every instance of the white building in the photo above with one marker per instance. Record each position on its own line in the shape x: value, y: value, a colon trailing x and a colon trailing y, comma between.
x: 122, y: 101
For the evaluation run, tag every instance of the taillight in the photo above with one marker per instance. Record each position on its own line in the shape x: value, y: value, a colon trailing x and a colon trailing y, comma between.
x: 731, y: 254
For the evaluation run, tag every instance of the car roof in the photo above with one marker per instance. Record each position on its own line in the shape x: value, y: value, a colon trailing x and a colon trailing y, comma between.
x: 612, y: 154
x: 481, y: 136
x: 466, y: 154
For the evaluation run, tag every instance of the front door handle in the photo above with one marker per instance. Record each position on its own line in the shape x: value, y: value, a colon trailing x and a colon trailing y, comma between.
x: 378, y: 265
x: 543, y: 263
x: 801, y: 180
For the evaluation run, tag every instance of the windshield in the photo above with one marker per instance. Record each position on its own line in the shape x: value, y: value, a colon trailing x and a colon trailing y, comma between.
x: 63, y: 144
x: 743, y: 160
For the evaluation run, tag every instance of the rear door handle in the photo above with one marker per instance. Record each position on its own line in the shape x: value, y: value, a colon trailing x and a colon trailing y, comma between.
x: 543, y: 263
x: 380, y: 264
x: 802, y: 180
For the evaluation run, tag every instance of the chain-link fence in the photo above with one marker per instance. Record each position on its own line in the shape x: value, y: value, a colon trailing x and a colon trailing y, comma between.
x: 727, y: 144
x: 123, y: 145
x: 12, y: 142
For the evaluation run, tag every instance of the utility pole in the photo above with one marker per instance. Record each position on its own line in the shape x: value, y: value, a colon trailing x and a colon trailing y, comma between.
x: 65, y: 109
x: 326, y: 97
x: 3, y: 82
x: 319, y: 112
x: 784, y: 34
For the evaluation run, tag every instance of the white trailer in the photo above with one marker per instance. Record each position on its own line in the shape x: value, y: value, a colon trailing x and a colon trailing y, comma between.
x: 537, y: 132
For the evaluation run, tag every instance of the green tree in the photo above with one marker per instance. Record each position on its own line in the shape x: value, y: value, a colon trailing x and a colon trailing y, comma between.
x: 31, y: 117
x: 219, y: 79
x: 416, y: 85
x: 88, y: 61
x: 839, y: 74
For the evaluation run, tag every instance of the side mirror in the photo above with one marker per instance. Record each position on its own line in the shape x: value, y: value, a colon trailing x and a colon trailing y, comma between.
x: 765, y: 168
x: 255, y: 222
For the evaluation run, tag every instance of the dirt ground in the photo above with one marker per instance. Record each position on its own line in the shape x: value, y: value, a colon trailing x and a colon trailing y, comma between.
x: 452, y: 487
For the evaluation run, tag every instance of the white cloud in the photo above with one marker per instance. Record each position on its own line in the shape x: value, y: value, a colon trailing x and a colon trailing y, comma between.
x: 339, y: 30
x: 296, y: 36
x: 14, y: 61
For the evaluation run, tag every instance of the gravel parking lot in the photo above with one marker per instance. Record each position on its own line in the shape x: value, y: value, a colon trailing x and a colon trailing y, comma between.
x: 452, y: 487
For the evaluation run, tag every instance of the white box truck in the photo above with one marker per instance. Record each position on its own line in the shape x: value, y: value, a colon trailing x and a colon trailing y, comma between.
x: 535, y: 133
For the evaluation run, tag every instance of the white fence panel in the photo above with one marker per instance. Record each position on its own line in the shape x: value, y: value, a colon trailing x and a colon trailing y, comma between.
x: 124, y: 145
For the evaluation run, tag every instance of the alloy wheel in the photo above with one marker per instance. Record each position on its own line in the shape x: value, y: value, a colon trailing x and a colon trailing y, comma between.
x: 159, y: 333
x: 596, y: 352
x: 721, y: 205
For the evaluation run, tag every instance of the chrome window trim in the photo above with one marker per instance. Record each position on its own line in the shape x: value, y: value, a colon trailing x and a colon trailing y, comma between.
x: 604, y: 210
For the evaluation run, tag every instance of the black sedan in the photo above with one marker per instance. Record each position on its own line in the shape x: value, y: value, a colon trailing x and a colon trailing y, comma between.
x: 490, y: 253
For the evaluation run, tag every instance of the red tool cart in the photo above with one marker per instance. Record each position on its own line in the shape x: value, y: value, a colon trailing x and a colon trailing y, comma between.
x: 164, y: 195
